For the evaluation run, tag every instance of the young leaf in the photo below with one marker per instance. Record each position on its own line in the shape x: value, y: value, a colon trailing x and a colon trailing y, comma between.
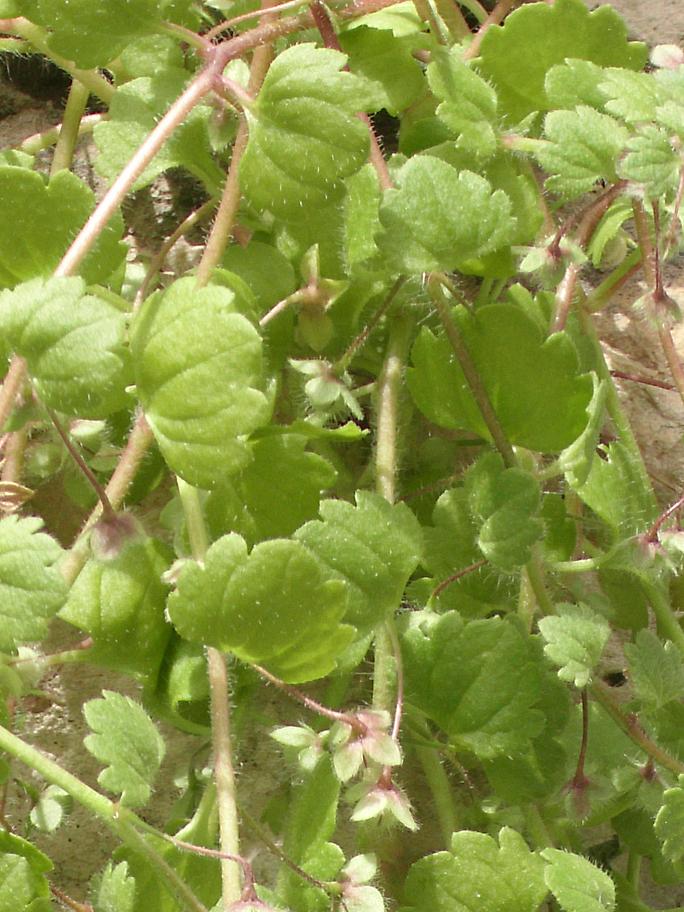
x: 577, y: 884
x: 631, y: 96
x: 533, y: 383
x: 304, y: 136
x: 46, y: 218
x: 581, y: 147
x: 274, y: 607
x: 23, y: 885
x: 124, y: 737
x: 478, y: 681
x: 374, y: 547
x: 669, y: 822
x: 73, y: 344
x: 656, y: 669
x: 49, y: 811
x: 115, y: 890
x: 133, y: 113
x: 92, y: 32
x: 653, y: 160
x: 575, y: 82
x: 199, y: 375
x: 32, y: 589
x: 575, y: 639
x: 120, y: 603
x: 516, y: 57
x: 478, y: 873
x: 468, y: 102
x: 504, y: 503
x: 437, y: 217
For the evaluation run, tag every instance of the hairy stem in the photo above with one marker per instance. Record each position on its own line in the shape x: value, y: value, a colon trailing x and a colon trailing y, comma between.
x: 11, y: 387
x: 440, y: 788
x: 46, y: 138
x: 71, y: 122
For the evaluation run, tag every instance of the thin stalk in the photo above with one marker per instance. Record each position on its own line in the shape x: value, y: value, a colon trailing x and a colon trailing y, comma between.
x: 345, y: 359
x: 630, y: 726
x: 296, y: 694
x: 38, y: 38
x: 427, y: 15
x: 535, y: 575
x: 500, y: 11
x: 13, y: 452
x: 601, y: 295
x: 230, y: 199
x: 224, y: 774
x: 46, y: 138
x: 472, y: 377
x: 107, y: 510
x: 579, y: 780
x: 71, y: 122
x: 455, y: 577
x: 113, y: 198
x: 453, y: 18
x: 668, y: 624
x: 11, y: 387
x: 440, y: 788
x: 476, y: 8
x: 633, y: 872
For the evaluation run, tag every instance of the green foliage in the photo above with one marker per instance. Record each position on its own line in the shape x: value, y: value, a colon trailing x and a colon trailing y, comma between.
x: 575, y: 639
x: 73, y: 344
x: 124, y: 737
x: 577, y: 884
x: 116, y: 890
x: 200, y: 377
x: 656, y: 669
x: 670, y: 820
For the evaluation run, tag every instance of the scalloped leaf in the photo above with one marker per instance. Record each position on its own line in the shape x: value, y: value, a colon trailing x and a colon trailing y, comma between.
x: 478, y: 873
x: 124, y: 737
x: 134, y: 111
x: 516, y: 57
x: 575, y: 639
x: 120, y: 603
x: 479, y: 681
x: 533, y: 383
x: 32, y: 589
x: 92, y: 32
x: 23, y: 884
x: 73, y: 343
x: 577, y: 884
x: 438, y: 217
x: 45, y: 218
x: 669, y: 822
x: 199, y: 376
x: 304, y: 135
x: 656, y: 669
x: 275, y: 606
x: 653, y: 160
x: 373, y: 546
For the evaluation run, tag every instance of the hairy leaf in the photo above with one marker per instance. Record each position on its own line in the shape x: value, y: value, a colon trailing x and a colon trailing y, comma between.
x: 275, y: 607
x: 73, y: 343
x: 576, y: 459
x: 45, y: 219
x: 304, y: 136
x: 199, y: 375
x: 115, y: 890
x: 477, y: 680
x: 386, y: 59
x: 533, y: 383
x: 575, y: 639
x: 23, y: 885
x: 669, y: 822
x: 373, y: 546
x: 577, y: 884
x: 656, y: 669
x: 516, y: 57
x: 631, y: 96
x: 437, y: 217
x: 32, y: 590
x: 575, y: 82
x: 124, y: 737
x: 361, y: 216
x: 653, y: 160
x: 478, y: 873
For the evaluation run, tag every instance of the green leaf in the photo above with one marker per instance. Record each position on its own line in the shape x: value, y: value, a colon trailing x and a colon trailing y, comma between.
x: 277, y: 492
x: 124, y: 737
x: 437, y: 217
x: 267, y: 273
x: 669, y: 822
x: 653, y: 160
x: 575, y: 82
x: 476, y: 680
x: 504, y: 503
x: 181, y: 691
x: 577, y: 884
x: 478, y: 873
x: 73, y: 344
x: 275, y: 607
x: 199, y: 375
x: 533, y: 383
x: 49, y: 811
x: 656, y: 669
x: 516, y: 57
x: 304, y: 136
x: 46, y: 218
x: 581, y: 147
x: 373, y: 546
x: 32, y: 589
x: 120, y: 603
x: 468, y: 102
x: 116, y: 890
x: 92, y: 32
x: 134, y: 111
x: 575, y: 639
x: 23, y: 885
x: 631, y: 96
x: 388, y: 60
x: 450, y: 546
x: 361, y: 216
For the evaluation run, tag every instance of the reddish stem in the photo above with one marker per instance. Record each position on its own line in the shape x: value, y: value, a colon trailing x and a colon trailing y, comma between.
x: 652, y: 534
x: 457, y: 576
x: 660, y: 384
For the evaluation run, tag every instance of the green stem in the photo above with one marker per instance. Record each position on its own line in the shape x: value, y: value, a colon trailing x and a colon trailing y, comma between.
x: 46, y: 138
x: 668, y: 625
x: 634, y: 870
x: 440, y: 788
x: 224, y: 774
x: 71, y: 122
x: 453, y: 19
